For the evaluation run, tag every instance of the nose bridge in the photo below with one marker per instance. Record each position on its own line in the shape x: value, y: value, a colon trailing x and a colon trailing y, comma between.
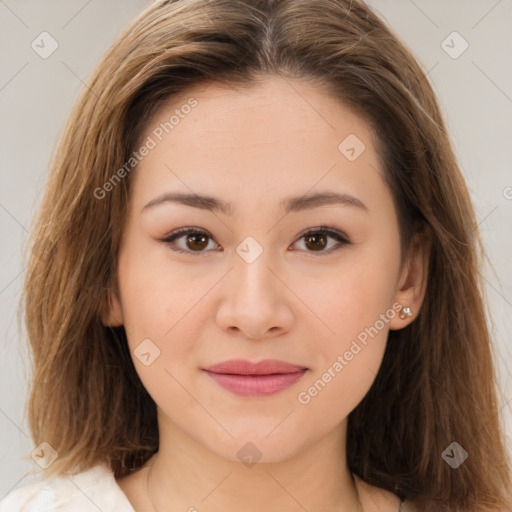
x: 253, y: 302
x: 251, y: 273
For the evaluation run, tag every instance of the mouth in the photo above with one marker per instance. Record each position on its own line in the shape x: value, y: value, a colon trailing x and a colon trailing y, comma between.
x: 265, y: 378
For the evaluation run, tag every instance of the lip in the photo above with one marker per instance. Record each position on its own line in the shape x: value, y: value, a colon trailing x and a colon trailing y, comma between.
x: 264, y: 378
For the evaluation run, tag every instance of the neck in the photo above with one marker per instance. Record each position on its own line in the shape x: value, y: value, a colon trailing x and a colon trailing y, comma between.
x: 189, y: 476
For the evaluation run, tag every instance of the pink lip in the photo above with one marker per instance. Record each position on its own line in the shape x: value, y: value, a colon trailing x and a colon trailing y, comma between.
x: 264, y: 378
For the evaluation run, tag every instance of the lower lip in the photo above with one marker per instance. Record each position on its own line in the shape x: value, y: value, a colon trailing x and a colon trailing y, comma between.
x: 256, y: 385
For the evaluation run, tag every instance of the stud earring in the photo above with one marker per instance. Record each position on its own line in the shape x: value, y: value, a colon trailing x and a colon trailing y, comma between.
x: 405, y: 312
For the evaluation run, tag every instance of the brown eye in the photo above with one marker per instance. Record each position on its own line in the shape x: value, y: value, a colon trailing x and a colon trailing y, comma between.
x: 197, y: 242
x: 188, y: 240
x: 316, y: 241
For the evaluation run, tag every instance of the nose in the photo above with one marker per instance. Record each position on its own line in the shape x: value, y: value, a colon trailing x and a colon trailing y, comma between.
x: 255, y: 301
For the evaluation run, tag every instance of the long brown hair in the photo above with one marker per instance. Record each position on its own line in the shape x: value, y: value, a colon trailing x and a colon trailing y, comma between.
x: 436, y: 384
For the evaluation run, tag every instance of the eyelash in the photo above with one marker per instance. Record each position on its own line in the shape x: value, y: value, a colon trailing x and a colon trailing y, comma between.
x: 341, y: 238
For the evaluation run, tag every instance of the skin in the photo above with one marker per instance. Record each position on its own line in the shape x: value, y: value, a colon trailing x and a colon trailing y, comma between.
x: 295, y: 302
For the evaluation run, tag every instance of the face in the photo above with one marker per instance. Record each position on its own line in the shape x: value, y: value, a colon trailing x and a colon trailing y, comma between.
x: 293, y: 254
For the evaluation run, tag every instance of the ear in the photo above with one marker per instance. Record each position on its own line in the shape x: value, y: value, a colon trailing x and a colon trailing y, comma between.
x: 111, y: 310
x: 412, y: 283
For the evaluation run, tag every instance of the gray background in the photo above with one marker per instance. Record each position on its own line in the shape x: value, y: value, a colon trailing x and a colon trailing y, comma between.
x: 36, y: 95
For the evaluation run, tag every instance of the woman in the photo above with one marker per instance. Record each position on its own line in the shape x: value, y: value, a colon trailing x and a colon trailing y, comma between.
x: 254, y: 282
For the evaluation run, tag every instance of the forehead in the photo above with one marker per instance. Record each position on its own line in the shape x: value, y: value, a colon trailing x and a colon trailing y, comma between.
x: 275, y: 106
x: 271, y: 135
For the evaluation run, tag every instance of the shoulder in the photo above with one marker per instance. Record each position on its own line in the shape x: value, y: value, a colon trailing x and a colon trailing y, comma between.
x: 92, y: 490
x: 375, y: 499
x: 407, y: 506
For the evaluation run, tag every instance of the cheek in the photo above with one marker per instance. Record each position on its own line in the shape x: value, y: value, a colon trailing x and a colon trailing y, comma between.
x: 355, y: 308
x: 334, y: 392
x: 347, y: 361
x: 353, y: 296
x: 159, y: 314
x: 159, y: 304
x: 156, y: 293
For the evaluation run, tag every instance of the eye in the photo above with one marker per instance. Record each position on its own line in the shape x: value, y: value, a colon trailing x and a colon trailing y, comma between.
x: 317, y: 239
x: 196, y: 240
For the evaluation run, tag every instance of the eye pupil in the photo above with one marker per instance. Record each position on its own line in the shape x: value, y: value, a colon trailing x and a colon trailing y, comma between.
x: 202, y: 244
x: 314, y: 239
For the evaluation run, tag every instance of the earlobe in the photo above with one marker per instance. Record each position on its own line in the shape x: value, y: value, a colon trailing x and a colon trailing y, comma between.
x: 412, y: 284
x: 111, y: 310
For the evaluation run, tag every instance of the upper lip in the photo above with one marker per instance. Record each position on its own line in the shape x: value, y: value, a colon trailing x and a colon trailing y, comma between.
x: 265, y: 367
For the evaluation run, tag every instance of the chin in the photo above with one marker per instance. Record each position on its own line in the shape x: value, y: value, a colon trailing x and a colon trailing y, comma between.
x: 253, y: 446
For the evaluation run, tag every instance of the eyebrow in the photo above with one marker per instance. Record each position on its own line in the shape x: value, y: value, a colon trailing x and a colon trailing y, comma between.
x: 289, y: 204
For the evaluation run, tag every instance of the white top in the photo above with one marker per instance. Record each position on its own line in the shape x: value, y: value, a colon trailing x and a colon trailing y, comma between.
x: 90, y: 491
x: 93, y: 490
